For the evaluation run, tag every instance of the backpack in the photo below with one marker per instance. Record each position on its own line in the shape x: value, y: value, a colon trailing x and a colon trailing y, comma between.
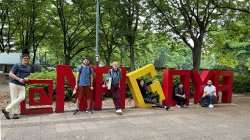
x: 204, y: 101
x: 81, y: 72
x: 90, y: 72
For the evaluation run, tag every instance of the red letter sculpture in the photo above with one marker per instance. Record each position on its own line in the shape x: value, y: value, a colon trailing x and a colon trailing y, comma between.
x: 45, y: 98
x: 167, y: 84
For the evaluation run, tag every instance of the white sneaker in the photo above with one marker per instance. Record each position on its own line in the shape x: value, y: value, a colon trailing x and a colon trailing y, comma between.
x: 119, y: 111
x: 211, y: 106
x: 178, y: 106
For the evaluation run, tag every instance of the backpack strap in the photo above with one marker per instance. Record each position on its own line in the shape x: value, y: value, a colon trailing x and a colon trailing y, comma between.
x: 90, y: 71
x: 110, y: 73
x: 80, y: 70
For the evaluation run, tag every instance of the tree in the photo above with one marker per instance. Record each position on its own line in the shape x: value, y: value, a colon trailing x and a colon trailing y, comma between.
x: 8, y: 25
x: 76, y: 27
x: 131, y: 10
x: 231, y: 44
x: 236, y: 5
x: 187, y: 20
x: 111, y: 25
x: 233, y: 37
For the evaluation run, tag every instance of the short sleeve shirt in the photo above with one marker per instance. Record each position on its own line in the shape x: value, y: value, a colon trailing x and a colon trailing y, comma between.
x: 85, y: 73
x: 20, y: 71
x: 210, y: 89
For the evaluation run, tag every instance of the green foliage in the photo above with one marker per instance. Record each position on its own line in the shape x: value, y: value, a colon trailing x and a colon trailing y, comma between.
x: 173, y: 55
x: 45, y: 74
x: 241, y: 83
x: 163, y: 35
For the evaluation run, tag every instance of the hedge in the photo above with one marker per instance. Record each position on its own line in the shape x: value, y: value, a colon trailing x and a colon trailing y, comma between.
x: 241, y: 83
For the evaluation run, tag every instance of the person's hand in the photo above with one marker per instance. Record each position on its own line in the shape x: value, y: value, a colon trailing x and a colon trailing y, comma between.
x: 203, y: 95
x: 76, y: 86
x: 91, y: 87
x: 26, y: 79
x: 184, y: 96
x: 103, y: 85
x: 21, y: 80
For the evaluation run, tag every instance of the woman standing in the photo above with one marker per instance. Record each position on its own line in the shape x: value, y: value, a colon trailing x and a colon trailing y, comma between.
x: 115, y: 74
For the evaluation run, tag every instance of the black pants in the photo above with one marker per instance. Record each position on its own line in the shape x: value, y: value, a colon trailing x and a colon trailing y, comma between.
x: 180, y: 100
x: 153, y: 98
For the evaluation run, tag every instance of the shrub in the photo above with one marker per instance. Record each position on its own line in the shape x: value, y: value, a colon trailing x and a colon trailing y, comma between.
x: 241, y: 83
x: 45, y: 74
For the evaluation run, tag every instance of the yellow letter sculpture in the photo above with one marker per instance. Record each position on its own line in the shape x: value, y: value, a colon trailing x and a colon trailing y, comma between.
x: 134, y: 87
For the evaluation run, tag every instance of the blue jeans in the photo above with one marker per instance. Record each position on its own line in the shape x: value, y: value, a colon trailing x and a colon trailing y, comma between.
x: 212, y: 98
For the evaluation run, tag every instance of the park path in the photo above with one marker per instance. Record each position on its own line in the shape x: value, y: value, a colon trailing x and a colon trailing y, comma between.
x: 225, y: 121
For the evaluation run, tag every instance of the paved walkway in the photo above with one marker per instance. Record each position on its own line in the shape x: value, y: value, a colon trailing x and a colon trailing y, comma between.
x: 225, y: 121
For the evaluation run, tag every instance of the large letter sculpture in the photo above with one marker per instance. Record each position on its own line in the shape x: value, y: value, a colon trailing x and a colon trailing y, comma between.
x: 46, y: 98
x: 222, y: 80
x: 168, y: 84
x: 199, y: 82
x: 134, y: 87
x: 226, y: 85
x: 62, y: 72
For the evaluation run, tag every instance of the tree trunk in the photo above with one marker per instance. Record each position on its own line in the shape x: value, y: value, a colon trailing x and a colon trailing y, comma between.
x: 196, y: 54
x: 108, y: 61
x: 67, y: 60
x: 132, y: 57
x: 34, y: 56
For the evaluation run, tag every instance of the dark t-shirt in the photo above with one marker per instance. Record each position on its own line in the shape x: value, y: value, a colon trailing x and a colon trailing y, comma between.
x: 143, y: 91
x: 179, y: 91
x: 20, y: 71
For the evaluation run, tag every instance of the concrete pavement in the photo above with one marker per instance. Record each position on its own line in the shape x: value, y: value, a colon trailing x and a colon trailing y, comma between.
x: 225, y: 121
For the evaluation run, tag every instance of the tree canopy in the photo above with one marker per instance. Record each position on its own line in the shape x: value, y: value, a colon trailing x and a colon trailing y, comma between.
x: 197, y: 34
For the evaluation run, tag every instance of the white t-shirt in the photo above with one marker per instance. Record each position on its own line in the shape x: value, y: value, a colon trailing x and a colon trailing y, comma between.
x: 210, y: 89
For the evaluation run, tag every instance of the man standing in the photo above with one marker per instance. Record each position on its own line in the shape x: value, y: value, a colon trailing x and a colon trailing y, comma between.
x: 18, y: 76
x: 85, y: 85
x: 179, y: 96
x: 210, y: 91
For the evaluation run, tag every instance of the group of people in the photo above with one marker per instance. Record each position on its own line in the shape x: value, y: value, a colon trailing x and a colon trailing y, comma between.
x: 84, y: 83
x: 19, y: 75
x: 178, y: 95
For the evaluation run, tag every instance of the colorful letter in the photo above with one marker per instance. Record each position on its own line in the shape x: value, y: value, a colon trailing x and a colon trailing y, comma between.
x: 134, y: 87
x: 45, y: 98
x: 167, y: 84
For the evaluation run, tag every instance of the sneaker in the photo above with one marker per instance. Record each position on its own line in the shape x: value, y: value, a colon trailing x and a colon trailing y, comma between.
x: 6, y: 114
x: 178, y: 106
x: 211, y: 106
x: 76, y: 111
x: 184, y: 106
x: 119, y: 111
x: 167, y: 107
x: 15, y: 116
x: 89, y: 111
